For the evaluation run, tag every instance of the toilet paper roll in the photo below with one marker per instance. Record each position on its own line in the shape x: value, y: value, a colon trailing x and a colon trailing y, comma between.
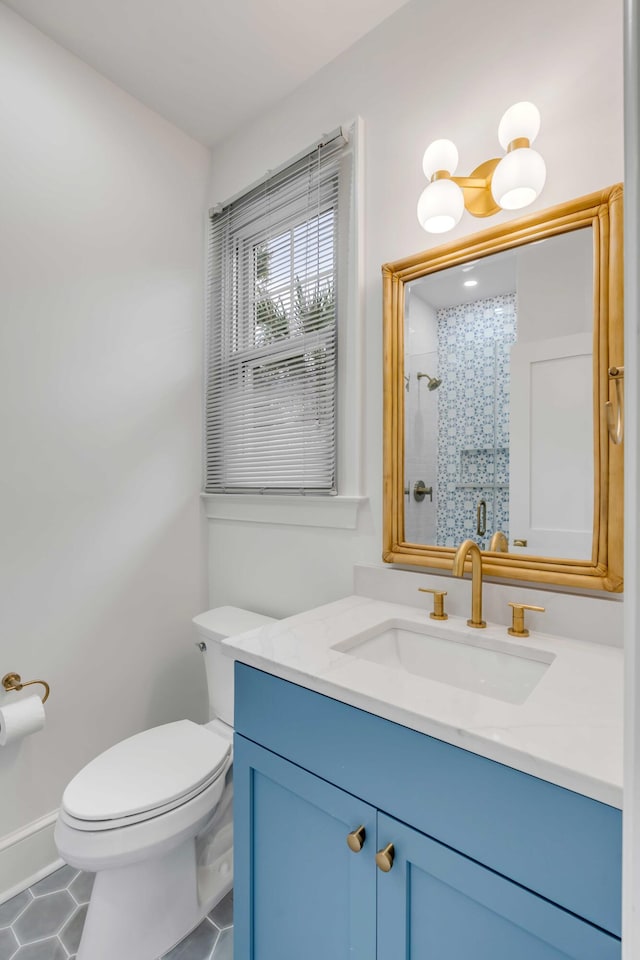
x: 21, y: 718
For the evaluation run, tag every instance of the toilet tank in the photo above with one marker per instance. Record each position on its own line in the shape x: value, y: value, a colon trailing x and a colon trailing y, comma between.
x: 212, y: 627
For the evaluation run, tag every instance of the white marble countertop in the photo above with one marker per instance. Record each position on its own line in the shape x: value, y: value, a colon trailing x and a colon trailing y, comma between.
x: 568, y: 731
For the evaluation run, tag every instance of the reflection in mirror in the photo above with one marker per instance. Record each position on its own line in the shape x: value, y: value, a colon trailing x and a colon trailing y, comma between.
x: 498, y: 369
x: 502, y: 360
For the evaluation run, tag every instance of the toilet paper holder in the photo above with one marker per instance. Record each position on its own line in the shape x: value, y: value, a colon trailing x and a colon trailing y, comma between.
x: 13, y: 681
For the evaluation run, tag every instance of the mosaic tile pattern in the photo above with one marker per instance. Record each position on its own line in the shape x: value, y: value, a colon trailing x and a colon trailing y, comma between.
x: 474, y: 344
x: 45, y: 923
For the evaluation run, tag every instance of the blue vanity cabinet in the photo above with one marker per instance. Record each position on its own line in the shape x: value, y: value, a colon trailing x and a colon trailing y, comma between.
x: 434, y: 902
x: 300, y: 892
x: 490, y: 863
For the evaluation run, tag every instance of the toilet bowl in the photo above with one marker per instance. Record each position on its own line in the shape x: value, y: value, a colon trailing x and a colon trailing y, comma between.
x: 151, y: 817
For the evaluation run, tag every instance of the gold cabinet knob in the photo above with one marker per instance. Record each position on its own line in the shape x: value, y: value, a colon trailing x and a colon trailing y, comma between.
x: 517, y: 628
x: 438, y: 603
x: 384, y: 858
x: 355, y: 839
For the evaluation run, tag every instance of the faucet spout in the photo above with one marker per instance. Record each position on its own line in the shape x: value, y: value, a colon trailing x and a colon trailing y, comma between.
x: 470, y: 548
x: 499, y: 543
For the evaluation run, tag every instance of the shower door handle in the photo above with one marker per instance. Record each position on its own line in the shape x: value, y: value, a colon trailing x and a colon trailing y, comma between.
x: 481, y: 518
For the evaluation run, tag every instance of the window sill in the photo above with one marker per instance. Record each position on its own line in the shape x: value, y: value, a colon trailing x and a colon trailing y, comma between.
x: 341, y: 512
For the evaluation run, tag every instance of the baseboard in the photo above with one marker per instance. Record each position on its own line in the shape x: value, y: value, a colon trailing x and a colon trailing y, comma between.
x: 27, y: 856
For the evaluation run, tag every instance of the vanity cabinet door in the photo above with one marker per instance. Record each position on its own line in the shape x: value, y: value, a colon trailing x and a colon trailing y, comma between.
x: 436, y: 903
x: 300, y: 892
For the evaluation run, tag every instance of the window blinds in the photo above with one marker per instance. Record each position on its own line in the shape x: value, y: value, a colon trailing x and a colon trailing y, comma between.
x: 273, y: 263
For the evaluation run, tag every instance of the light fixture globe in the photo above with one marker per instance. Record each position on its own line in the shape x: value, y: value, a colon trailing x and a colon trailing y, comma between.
x: 520, y: 120
x: 440, y: 155
x: 440, y: 206
x: 511, y: 183
x: 518, y: 179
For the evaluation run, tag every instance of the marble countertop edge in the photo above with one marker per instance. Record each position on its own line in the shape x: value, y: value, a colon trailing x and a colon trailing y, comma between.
x: 581, y: 753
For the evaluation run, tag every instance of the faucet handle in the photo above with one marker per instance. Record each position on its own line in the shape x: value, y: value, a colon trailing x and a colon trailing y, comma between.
x: 517, y: 628
x: 438, y: 612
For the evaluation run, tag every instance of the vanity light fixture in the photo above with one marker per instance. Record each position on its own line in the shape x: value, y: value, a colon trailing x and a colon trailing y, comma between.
x: 502, y: 183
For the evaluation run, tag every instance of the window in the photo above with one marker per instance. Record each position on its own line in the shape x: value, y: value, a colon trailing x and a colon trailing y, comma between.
x: 276, y: 255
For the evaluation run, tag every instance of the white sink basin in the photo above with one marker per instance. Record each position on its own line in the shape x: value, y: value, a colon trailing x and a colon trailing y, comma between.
x: 491, y: 667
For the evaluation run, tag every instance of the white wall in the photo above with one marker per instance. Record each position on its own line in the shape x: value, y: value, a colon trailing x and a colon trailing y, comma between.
x: 433, y: 70
x: 102, y: 551
x: 555, y: 287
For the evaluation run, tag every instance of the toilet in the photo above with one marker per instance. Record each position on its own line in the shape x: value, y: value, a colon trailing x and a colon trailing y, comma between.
x: 152, y: 818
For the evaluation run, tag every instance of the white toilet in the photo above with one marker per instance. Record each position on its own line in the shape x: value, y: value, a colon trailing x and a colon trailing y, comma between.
x: 151, y: 817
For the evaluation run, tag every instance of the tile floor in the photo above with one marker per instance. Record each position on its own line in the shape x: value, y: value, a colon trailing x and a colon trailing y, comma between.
x: 45, y: 923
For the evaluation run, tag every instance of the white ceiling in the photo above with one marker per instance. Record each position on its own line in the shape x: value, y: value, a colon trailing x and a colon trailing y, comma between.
x: 500, y: 273
x: 495, y: 276
x: 209, y: 66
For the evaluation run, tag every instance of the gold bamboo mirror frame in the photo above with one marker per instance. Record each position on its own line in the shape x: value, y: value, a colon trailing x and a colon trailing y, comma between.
x: 602, y: 213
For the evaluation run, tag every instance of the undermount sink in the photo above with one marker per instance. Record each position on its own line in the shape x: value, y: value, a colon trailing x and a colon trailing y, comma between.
x: 491, y: 667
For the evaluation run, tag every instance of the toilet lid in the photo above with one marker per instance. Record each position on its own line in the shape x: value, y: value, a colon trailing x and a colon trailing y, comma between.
x: 148, y: 771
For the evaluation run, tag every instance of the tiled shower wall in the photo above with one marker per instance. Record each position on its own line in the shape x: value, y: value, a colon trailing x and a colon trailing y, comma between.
x: 474, y: 342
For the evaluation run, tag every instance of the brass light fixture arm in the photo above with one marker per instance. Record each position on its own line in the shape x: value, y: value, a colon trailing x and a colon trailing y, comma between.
x: 476, y: 188
x: 615, y: 421
x: 13, y: 681
x: 472, y: 183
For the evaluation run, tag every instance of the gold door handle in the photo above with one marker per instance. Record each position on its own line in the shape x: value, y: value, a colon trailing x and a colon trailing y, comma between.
x: 384, y: 858
x: 355, y: 839
x: 615, y: 423
x: 481, y: 518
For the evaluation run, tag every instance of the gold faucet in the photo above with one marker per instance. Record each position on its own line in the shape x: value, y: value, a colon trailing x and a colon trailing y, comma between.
x: 499, y: 543
x: 469, y: 547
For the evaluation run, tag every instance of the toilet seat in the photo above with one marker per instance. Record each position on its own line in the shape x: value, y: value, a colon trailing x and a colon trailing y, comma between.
x: 145, y: 776
x: 95, y: 850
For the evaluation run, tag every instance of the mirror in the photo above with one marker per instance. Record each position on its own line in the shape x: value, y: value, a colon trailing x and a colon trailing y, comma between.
x: 500, y: 358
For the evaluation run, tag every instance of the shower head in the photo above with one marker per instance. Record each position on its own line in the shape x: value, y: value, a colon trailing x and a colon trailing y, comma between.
x: 433, y: 382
